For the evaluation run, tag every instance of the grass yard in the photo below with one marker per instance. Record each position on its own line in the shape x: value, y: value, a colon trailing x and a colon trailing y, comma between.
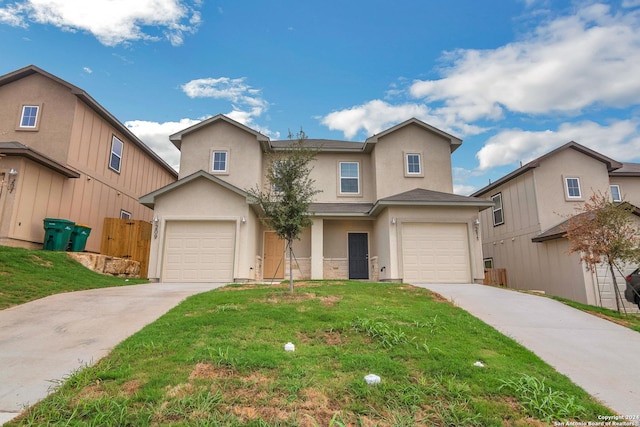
x: 27, y: 275
x: 218, y: 359
x: 629, y: 320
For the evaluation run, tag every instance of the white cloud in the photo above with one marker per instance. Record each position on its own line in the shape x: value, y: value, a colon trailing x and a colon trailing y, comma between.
x: 87, y: 70
x: 13, y: 15
x: 463, y: 190
x: 247, y: 102
x: 373, y: 117
x: 620, y: 140
x: 111, y: 21
x: 156, y: 136
x: 566, y: 65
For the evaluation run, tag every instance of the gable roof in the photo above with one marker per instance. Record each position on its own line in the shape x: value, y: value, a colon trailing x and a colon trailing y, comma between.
x: 92, y: 103
x: 13, y: 148
x: 454, y: 142
x: 176, y: 138
x: 609, y: 163
x: 149, y: 200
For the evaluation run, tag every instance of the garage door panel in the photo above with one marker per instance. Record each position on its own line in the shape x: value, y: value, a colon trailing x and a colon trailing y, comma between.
x: 199, y: 251
x: 435, y: 253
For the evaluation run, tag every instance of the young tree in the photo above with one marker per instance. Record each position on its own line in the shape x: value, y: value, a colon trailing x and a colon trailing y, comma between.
x: 288, y: 192
x: 604, y: 233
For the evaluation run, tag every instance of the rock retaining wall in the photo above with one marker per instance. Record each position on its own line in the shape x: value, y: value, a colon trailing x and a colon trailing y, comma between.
x: 109, y: 265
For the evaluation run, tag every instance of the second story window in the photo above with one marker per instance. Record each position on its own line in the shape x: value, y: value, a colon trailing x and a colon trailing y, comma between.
x: 349, y: 177
x: 414, y: 166
x: 219, y: 161
x: 116, y: 154
x: 498, y: 215
x: 615, y: 193
x: 29, y: 118
x: 573, y: 188
x: 125, y: 214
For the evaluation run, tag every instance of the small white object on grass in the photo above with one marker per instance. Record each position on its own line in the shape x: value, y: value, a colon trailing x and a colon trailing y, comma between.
x: 372, y: 379
x: 289, y: 347
x: 479, y: 364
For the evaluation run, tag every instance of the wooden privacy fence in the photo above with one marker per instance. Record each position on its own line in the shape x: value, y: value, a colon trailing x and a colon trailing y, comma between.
x: 495, y: 277
x: 129, y: 239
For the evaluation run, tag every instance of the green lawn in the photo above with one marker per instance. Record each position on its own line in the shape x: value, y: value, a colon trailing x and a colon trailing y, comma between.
x: 629, y: 320
x: 218, y: 359
x: 27, y: 275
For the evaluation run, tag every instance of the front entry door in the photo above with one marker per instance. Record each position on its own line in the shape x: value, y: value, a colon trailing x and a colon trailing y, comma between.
x: 358, y: 256
x: 273, y: 263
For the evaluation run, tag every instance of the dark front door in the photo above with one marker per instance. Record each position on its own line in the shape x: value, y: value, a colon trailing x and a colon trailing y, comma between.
x: 358, y: 256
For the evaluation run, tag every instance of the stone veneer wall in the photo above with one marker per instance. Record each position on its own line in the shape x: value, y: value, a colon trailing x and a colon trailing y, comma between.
x: 301, y: 269
x: 335, y: 268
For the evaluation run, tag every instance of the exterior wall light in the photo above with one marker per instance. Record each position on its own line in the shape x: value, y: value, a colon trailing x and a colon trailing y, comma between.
x: 155, y: 226
x: 12, y: 179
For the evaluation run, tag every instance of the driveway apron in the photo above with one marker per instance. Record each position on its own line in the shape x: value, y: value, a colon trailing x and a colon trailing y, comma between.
x: 598, y: 355
x: 46, y: 340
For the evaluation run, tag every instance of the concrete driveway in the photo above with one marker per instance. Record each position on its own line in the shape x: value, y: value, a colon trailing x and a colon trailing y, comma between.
x: 598, y: 355
x: 49, y: 338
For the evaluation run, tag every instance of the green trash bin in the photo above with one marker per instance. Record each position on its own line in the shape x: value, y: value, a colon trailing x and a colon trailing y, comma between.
x: 79, y: 237
x: 57, y: 233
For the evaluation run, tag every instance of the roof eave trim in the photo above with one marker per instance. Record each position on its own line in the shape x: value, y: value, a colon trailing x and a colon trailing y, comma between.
x: 42, y: 160
x: 149, y: 199
x: 381, y: 204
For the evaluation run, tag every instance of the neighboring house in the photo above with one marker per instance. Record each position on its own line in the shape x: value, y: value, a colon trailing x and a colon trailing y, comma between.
x: 64, y: 156
x: 523, y: 232
x: 386, y: 210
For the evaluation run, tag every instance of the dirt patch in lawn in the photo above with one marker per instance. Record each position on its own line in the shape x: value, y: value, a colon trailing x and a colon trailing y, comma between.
x: 41, y: 262
x: 439, y: 298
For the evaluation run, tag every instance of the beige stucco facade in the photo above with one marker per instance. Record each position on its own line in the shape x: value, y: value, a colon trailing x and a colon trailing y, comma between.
x: 358, y: 230
x: 535, y: 200
x: 61, y: 164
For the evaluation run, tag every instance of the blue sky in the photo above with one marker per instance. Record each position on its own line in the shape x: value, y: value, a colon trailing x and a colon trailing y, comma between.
x: 512, y: 78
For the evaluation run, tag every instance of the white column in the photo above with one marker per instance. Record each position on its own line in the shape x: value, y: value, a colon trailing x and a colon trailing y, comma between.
x: 317, y: 249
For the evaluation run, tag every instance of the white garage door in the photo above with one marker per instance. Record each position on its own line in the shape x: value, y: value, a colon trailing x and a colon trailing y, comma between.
x: 435, y: 253
x: 199, y: 251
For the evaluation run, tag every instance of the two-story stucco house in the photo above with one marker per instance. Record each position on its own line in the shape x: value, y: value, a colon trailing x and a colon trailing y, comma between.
x: 523, y: 232
x: 386, y: 210
x: 62, y: 155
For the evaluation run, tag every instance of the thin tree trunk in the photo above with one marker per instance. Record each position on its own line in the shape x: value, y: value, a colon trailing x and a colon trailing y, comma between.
x: 290, y: 266
x: 615, y: 286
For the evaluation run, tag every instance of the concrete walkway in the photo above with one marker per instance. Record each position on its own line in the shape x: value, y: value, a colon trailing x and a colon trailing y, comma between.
x: 598, y: 355
x: 49, y: 338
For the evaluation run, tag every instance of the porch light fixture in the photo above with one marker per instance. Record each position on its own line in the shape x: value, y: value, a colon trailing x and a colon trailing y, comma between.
x: 12, y: 179
x: 393, y: 220
x: 155, y: 226
x: 243, y: 220
x: 476, y: 228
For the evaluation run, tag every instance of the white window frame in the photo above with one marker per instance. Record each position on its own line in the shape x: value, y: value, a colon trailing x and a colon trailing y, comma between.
x: 406, y: 165
x: 114, y: 154
x: 568, y: 192
x: 226, y: 161
x: 497, y: 209
x: 488, y: 261
x: 35, y: 119
x: 125, y: 214
x: 617, y: 189
x: 357, y: 178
